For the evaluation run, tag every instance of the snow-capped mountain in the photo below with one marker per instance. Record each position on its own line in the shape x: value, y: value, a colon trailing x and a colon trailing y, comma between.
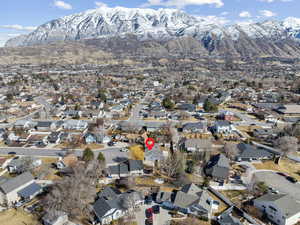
x: 159, y: 25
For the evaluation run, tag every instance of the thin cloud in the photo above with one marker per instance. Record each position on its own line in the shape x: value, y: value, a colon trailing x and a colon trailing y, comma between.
x: 267, y: 13
x: 245, y: 14
x: 19, y: 27
x: 182, y: 3
x: 271, y: 1
x: 101, y: 4
x: 62, y: 5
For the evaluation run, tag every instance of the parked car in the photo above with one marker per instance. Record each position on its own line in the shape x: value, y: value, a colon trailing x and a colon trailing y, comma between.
x: 282, y: 174
x: 149, y: 213
x: 292, y: 179
x: 111, y: 143
x: 12, y: 153
x: 149, y: 221
x: 156, y: 209
x: 124, y: 150
x: 19, y: 204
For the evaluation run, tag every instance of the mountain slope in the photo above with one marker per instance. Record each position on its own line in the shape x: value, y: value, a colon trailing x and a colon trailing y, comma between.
x: 165, y: 26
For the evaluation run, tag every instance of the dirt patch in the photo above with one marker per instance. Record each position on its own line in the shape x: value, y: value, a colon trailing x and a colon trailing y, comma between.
x: 17, y: 217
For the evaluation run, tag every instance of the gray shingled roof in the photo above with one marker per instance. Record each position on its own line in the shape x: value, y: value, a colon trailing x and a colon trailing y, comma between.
x: 109, y: 193
x: 135, y: 165
x: 16, y: 182
x: 191, y: 189
x: 249, y: 151
x: 218, y: 167
x: 184, y: 200
x: 287, y: 204
x: 197, y: 143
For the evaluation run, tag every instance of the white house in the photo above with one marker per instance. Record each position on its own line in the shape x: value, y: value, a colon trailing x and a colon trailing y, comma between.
x: 223, y: 127
x: 75, y: 125
x: 281, y: 209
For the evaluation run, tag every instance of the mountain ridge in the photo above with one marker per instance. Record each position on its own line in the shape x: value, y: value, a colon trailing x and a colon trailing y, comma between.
x: 272, y: 37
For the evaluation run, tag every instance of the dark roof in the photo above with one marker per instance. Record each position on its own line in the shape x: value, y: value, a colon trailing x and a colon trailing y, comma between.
x: 16, y: 182
x: 249, y: 151
x: 114, y: 169
x: 227, y: 218
x: 44, y: 124
x: 102, y: 206
x: 30, y: 190
x: 135, y: 165
x: 192, y: 126
x: 218, y: 167
x: 109, y: 193
x: 123, y: 168
x: 222, y: 123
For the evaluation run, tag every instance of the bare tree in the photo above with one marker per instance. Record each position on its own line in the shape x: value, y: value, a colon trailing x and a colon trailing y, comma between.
x: 287, y: 144
x: 73, y: 194
x: 173, y: 165
x: 129, y: 201
x: 230, y: 150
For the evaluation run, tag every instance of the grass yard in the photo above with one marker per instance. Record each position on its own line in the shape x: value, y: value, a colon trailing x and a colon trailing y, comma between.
x: 137, y: 152
x: 17, y: 217
x: 222, y: 206
x: 92, y: 146
x: 286, y: 166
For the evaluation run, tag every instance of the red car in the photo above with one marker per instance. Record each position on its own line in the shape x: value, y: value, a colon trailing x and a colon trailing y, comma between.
x: 149, y: 213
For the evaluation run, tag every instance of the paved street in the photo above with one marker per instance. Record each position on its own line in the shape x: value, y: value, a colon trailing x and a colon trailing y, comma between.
x: 163, y: 218
x: 279, y: 183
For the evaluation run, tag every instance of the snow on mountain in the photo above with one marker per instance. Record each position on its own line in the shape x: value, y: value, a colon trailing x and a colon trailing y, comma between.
x: 162, y: 24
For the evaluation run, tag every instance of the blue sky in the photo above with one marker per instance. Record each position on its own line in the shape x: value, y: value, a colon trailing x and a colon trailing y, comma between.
x: 22, y: 16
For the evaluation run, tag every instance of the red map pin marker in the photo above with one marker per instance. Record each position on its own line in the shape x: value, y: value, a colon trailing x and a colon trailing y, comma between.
x: 150, y: 143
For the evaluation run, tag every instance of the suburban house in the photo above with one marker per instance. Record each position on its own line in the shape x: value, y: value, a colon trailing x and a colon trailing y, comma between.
x: 68, y: 161
x: 111, y: 204
x: 19, y: 164
x: 54, y: 137
x: 75, y: 125
x: 93, y: 138
x: 154, y: 156
x: 191, y: 199
x: 125, y: 169
x: 281, y: 209
x: 228, y: 218
x: 289, y: 110
x: 194, y: 128
x: 22, y: 187
x: 196, y: 144
x: 218, y: 168
x: 55, y: 218
x: 223, y: 127
x: 249, y: 153
x: 186, y: 107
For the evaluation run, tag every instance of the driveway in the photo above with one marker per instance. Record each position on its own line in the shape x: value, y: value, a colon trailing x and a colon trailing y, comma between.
x: 163, y: 218
x: 280, y: 183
